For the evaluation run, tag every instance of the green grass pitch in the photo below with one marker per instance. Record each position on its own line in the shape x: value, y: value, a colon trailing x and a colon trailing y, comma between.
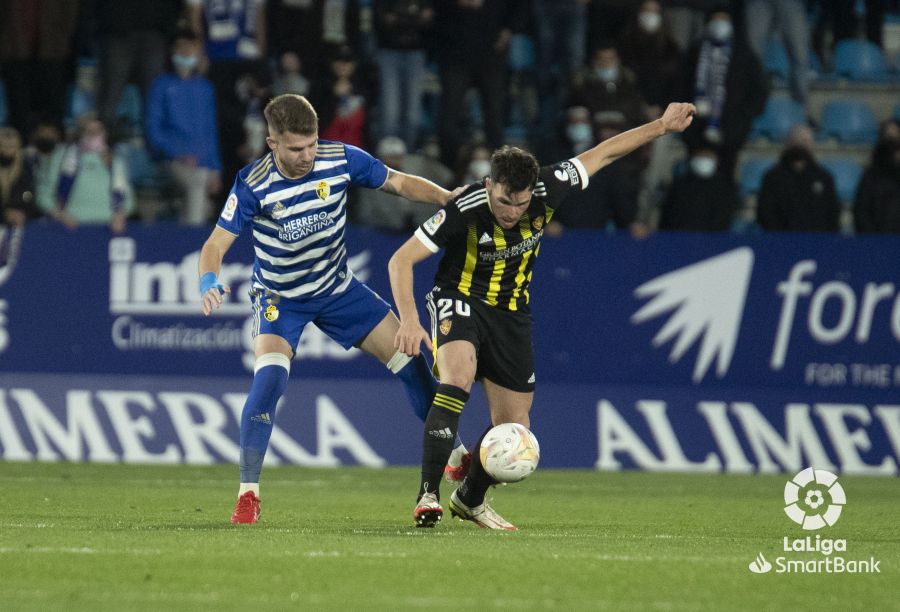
x: 114, y: 537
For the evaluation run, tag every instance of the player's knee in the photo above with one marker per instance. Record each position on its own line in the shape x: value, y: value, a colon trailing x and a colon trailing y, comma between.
x: 518, y: 415
x: 461, y: 380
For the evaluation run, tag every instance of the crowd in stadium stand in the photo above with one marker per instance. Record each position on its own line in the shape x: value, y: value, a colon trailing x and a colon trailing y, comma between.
x: 128, y: 109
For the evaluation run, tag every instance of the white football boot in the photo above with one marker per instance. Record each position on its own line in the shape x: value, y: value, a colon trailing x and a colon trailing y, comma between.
x: 484, y: 516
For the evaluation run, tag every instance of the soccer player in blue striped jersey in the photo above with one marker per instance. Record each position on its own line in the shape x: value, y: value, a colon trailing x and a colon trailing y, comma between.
x: 294, y: 201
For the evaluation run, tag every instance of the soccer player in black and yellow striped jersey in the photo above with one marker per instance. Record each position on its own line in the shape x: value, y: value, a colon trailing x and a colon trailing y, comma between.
x: 479, y: 307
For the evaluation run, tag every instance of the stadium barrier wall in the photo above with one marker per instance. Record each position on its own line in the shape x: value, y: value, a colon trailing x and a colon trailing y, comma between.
x: 678, y: 352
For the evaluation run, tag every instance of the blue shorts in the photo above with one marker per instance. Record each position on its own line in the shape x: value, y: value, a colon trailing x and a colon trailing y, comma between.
x: 347, y: 317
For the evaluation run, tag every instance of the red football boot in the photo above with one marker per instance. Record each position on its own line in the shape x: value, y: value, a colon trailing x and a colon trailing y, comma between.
x: 246, y: 511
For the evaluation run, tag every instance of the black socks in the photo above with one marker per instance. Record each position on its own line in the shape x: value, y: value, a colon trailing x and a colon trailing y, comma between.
x: 441, y: 426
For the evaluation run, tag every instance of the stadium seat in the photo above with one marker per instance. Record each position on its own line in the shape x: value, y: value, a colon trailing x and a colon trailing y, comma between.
x: 849, y: 121
x: 130, y: 107
x: 860, y: 60
x: 777, y: 119
x: 752, y: 172
x: 846, y: 172
x: 775, y: 60
x: 521, y: 53
x: 143, y: 171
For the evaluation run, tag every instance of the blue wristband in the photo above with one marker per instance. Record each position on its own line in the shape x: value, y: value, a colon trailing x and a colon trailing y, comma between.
x: 209, y: 281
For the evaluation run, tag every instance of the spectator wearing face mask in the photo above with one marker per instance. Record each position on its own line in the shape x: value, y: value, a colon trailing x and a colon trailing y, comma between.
x: 378, y: 208
x: 181, y: 126
x: 93, y: 183
x: 726, y: 82
x: 649, y: 51
x: 574, y: 136
x: 606, y: 87
x: 798, y: 194
x: 876, y: 208
x: 474, y: 163
x: 702, y: 199
x: 17, y: 202
x: 44, y: 155
x: 610, y: 199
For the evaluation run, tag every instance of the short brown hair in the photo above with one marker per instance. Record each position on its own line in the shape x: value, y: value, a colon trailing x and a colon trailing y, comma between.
x: 514, y: 168
x: 291, y: 113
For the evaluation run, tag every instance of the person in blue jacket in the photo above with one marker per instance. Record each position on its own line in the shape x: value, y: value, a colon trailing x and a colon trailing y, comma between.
x: 181, y: 126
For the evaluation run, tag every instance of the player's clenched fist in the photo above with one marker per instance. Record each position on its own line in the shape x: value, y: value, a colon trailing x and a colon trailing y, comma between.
x: 678, y: 116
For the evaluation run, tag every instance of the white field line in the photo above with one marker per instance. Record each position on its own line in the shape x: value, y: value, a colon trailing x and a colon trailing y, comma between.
x: 78, y: 550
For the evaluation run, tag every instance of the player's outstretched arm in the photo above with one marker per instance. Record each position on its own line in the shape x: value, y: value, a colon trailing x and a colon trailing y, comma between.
x: 211, y: 256
x: 414, y: 188
x: 400, y: 269
x: 676, y: 118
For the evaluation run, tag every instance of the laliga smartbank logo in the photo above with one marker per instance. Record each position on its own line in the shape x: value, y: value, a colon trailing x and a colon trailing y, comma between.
x: 814, y: 499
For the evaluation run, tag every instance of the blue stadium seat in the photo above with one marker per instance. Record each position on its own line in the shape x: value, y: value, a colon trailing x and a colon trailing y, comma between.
x: 143, y: 170
x: 752, y: 172
x: 846, y: 172
x: 850, y: 121
x: 777, y: 119
x: 860, y: 60
x: 131, y: 107
x: 522, y: 53
x: 775, y: 59
x: 79, y: 103
x: 776, y: 62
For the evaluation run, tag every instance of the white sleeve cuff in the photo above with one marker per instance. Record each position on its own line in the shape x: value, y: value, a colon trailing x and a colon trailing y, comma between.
x: 582, y: 172
x: 428, y: 242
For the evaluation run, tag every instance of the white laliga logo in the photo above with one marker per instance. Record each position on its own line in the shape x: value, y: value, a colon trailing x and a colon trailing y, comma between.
x: 805, y: 495
x: 708, y: 302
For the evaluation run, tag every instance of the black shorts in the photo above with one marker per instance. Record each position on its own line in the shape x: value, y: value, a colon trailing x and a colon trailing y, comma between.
x: 502, y: 338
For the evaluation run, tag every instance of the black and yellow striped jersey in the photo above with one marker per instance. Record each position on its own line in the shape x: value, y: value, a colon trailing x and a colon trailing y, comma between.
x: 485, y: 261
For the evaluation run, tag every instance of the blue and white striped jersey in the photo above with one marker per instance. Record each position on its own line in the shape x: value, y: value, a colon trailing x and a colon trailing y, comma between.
x: 298, y: 224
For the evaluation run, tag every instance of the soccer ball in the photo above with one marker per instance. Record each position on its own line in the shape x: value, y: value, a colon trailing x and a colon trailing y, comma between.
x: 509, y: 452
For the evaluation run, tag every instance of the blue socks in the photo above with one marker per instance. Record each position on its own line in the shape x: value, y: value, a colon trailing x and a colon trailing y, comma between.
x: 258, y: 417
x: 417, y: 379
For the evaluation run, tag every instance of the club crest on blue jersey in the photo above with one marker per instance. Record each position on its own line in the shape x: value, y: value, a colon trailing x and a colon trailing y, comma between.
x: 323, y: 190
